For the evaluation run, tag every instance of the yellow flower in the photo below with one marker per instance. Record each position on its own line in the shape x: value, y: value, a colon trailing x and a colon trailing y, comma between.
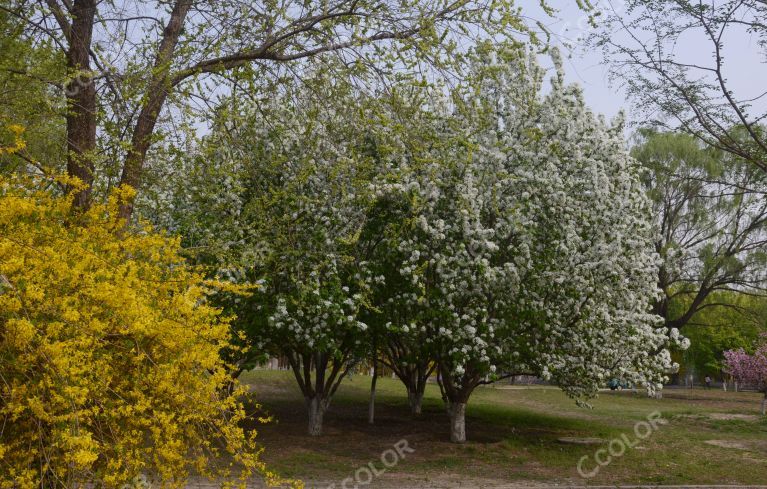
x: 18, y: 142
x: 113, y: 364
x: 70, y: 315
x: 20, y: 332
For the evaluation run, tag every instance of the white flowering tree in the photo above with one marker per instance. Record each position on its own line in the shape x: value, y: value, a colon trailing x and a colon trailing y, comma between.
x: 280, y: 196
x: 529, y: 242
x: 285, y: 211
x: 404, y: 135
x: 395, y: 314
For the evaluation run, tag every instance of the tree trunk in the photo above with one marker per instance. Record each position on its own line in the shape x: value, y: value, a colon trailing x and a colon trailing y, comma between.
x: 414, y: 399
x: 458, y: 422
x: 372, y: 404
x: 764, y: 404
x: 157, y: 93
x: 316, y: 407
x: 443, y: 393
x: 81, y: 101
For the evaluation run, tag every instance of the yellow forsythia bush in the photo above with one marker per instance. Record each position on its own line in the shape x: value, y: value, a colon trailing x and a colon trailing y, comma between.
x: 109, y: 354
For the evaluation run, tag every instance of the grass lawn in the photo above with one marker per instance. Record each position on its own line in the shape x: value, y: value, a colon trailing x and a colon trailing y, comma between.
x: 712, y: 437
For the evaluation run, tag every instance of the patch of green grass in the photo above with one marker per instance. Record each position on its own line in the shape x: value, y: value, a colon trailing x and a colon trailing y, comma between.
x: 299, y: 463
x: 445, y: 462
x: 513, y: 435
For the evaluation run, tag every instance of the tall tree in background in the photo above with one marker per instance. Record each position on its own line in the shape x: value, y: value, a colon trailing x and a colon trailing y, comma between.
x: 644, y: 46
x: 131, y: 63
x: 711, y: 213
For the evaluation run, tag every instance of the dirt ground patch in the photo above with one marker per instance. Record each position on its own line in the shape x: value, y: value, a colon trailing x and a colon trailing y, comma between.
x: 727, y: 444
x: 732, y: 416
x: 573, y: 440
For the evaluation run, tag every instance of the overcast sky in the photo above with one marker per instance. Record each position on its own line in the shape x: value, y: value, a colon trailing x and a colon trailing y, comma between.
x: 746, y: 71
x: 582, y: 66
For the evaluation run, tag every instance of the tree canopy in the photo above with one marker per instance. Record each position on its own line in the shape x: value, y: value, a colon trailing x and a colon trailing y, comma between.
x: 128, y: 69
x: 711, y: 215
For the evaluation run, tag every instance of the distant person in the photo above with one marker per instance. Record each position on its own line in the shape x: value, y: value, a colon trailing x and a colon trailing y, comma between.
x: 708, y: 382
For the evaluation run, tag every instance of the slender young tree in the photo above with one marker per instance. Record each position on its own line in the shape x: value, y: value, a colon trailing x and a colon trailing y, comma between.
x: 373, y: 381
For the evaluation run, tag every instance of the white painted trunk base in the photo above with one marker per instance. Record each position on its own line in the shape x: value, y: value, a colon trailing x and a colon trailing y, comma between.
x: 458, y: 422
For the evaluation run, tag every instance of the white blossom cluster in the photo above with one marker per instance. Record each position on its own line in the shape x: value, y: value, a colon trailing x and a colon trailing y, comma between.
x: 531, y: 240
x: 308, y: 208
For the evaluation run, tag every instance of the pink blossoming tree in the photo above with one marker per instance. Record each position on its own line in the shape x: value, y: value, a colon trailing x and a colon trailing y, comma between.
x: 749, y: 369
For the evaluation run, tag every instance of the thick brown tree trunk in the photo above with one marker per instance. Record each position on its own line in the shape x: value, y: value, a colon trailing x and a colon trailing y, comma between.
x: 81, y: 101
x: 142, y: 139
